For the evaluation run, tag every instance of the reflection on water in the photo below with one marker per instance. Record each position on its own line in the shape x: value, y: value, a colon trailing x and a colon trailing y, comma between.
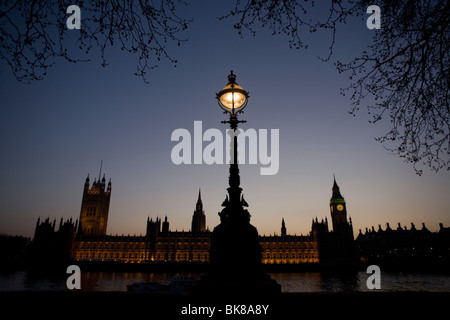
x: 290, y: 282
x: 390, y: 281
x: 118, y: 281
x: 318, y: 282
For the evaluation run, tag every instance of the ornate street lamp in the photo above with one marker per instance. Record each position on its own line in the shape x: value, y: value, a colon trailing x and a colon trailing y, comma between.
x: 235, y: 251
x: 233, y: 100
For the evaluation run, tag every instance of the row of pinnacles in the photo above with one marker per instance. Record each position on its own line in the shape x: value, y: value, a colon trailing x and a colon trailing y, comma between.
x: 400, y: 231
x: 51, y: 246
x: 402, y: 246
x: 198, y: 224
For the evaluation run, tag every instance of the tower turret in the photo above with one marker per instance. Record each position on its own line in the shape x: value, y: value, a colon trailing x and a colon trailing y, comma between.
x: 95, y: 207
x: 165, y: 227
x: 86, y: 184
x: 199, y: 205
x: 283, y: 228
x: 199, y: 219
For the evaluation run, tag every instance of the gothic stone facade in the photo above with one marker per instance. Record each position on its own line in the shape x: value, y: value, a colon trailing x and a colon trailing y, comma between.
x: 91, y: 243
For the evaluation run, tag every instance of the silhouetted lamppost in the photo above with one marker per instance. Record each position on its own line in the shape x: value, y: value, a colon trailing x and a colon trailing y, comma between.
x: 233, y: 99
x: 235, y: 252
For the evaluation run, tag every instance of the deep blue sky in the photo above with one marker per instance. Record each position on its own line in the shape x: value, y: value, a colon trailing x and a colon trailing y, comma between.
x: 56, y: 131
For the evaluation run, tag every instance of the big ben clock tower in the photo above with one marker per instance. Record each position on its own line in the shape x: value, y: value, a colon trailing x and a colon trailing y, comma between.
x: 342, y: 242
x: 338, y: 210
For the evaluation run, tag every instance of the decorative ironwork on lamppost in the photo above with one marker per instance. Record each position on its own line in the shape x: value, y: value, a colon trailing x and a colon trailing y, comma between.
x: 232, y: 100
x: 235, y: 251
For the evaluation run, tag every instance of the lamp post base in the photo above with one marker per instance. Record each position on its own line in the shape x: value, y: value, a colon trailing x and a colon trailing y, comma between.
x: 235, y: 258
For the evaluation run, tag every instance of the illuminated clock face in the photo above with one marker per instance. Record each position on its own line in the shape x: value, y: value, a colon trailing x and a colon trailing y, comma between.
x: 340, y: 207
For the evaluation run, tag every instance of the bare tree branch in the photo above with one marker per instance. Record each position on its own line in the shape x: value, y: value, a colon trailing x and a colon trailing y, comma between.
x: 288, y: 17
x: 407, y: 74
x: 33, y: 33
x: 405, y: 71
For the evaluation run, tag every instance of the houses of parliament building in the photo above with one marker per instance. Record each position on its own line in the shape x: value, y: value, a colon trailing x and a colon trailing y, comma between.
x: 86, y: 239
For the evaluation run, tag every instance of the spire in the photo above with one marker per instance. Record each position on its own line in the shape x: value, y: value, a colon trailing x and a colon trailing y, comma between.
x: 100, y: 172
x: 335, y: 185
x: 86, y: 184
x: 336, y: 192
x: 198, y: 219
x: 199, y: 206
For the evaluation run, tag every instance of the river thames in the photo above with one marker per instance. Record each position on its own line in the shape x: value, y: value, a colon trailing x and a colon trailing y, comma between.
x: 290, y: 282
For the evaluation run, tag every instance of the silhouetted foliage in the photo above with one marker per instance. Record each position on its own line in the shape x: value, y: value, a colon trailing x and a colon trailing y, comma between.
x: 404, y: 75
x: 33, y: 33
x: 407, y: 73
x: 290, y: 17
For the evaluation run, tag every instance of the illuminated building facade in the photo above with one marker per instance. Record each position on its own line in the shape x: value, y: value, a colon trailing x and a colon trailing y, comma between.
x: 91, y: 243
x: 95, y: 207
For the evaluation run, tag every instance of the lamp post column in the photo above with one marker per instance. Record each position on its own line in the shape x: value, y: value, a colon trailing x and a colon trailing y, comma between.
x: 234, y: 179
x: 235, y: 252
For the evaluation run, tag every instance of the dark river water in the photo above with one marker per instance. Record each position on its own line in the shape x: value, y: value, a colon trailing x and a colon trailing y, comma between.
x: 290, y: 282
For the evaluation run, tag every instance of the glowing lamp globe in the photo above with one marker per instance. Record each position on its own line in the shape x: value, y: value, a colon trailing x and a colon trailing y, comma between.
x: 232, y: 99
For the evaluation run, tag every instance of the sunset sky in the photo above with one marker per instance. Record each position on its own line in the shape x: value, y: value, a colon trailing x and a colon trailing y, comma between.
x: 56, y: 131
